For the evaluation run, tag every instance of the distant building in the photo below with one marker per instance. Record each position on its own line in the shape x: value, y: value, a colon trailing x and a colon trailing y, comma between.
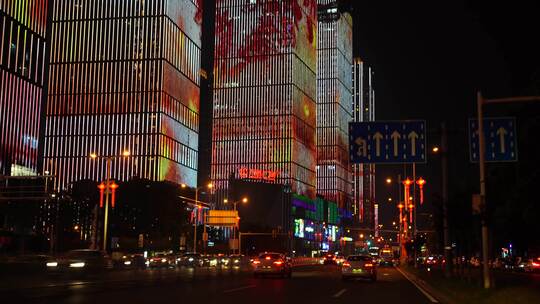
x: 124, y: 75
x: 363, y: 174
x: 334, y: 99
x: 23, y: 50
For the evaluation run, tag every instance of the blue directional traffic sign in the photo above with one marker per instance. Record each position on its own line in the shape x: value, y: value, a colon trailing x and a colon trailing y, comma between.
x: 387, y: 142
x: 500, y: 139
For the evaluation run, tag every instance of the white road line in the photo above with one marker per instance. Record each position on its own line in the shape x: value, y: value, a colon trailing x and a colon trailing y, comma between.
x: 339, y: 293
x: 240, y: 288
x: 431, y: 298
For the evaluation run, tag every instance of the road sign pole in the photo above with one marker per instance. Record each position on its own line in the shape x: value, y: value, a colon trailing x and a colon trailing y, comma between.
x: 481, y: 163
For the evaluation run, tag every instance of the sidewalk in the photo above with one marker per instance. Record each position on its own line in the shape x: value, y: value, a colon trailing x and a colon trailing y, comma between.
x: 464, y: 290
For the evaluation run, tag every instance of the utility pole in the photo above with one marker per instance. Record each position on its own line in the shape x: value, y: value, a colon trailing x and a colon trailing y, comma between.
x: 444, y: 169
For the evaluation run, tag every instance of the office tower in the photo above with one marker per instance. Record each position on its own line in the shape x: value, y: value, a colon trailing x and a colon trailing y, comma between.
x: 363, y: 110
x: 264, y: 94
x: 334, y: 94
x: 23, y: 51
x: 124, y: 76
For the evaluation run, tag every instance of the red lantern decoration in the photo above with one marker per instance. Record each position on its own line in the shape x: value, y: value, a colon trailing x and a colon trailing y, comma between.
x: 101, y: 188
x: 113, y: 188
x: 421, y: 182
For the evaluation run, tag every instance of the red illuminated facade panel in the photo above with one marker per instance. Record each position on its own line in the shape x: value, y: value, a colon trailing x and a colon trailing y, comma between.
x: 363, y: 110
x: 124, y: 75
x: 264, y: 104
x: 334, y: 94
x: 23, y: 27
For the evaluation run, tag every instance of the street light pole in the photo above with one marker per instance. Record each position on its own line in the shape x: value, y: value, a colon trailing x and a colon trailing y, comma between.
x: 106, y: 220
x: 444, y: 169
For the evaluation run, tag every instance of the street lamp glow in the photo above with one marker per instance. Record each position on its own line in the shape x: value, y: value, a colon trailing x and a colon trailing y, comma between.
x: 210, y: 186
x: 389, y: 199
x: 93, y: 155
x: 126, y: 153
x: 225, y: 201
x: 435, y: 149
x: 245, y: 200
x: 388, y: 180
x: 183, y: 185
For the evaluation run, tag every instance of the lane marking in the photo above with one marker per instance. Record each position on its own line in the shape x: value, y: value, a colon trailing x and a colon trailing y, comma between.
x: 339, y: 293
x: 431, y: 298
x: 239, y: 288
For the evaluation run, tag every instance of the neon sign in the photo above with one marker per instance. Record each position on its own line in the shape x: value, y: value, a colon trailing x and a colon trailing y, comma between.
x: 248, y: 173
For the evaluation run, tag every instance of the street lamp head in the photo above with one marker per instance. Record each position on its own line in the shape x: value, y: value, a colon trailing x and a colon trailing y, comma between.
x: 245, y: 200
x: 93, y: 155
x: 209, y: 185
x: 435, y: 149
x: 225, y: 201
x: 126, y: 153
x: 183, y: 185
x: 389, y: 180
x: 389, y: 199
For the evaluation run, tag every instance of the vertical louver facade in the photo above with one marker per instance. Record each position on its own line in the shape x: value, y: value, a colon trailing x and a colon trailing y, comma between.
x: 264, y: 114
x: 23, y: 29
x: 334, y: 94
x: 124, y: 75
x: 363, y: 110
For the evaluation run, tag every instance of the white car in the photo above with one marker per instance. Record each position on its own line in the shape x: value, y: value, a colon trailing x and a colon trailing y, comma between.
x: 359, y: 266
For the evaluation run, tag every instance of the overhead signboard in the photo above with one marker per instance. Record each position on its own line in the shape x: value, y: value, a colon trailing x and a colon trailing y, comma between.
x: 500, y: 139
x: 222, y: 218
x: 387, y: 142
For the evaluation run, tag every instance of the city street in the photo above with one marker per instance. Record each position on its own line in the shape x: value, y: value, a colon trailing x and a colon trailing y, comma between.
x: 309, y: 284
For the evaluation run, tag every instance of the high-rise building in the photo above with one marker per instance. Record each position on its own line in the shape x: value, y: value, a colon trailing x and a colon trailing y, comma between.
x: 23, y: 78
x: 124, y: 75
x: 363, y: 110
x: 264, y: 114
x: 334, y: 94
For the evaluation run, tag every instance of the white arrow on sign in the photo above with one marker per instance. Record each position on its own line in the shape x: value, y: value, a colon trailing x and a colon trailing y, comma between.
x: 502, y: 132
x: 362, y: 146
x: 413, y: 136
x: 378, y: 136
x: 395, y: 136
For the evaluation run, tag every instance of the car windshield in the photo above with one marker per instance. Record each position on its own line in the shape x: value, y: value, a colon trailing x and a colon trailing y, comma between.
x: 356, y: 258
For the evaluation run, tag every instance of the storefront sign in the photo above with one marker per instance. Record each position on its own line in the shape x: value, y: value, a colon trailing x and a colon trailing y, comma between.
x: 249, y: 173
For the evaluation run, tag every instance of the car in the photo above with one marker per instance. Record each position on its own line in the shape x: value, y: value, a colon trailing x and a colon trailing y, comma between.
x: 330, y: 259
x: 160, y: 261
x: 132, y: 261
x: 272, y: 263
x: 237, y: 259
x: 190, y: 259
x: 359, y: 266
x: 81, y: 260
x: 530, y: 265
x: 340, y: 259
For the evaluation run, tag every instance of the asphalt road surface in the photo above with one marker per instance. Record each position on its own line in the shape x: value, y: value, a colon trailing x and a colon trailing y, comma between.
x: 309, y: 284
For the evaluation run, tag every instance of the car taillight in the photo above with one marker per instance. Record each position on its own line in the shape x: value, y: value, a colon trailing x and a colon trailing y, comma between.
x: 278, y: 263
x: 346, y: 264
x: 267, y: 258
x: 536, y: 264
x: 256, y: 262
x: 368, y: 265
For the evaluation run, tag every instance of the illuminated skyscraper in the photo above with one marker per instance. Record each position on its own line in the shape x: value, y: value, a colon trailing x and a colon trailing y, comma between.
x: 334, y: 94
x: 264, y: 94
x: 23, y: 49
x: 124, y: 75
x: 363, y: 110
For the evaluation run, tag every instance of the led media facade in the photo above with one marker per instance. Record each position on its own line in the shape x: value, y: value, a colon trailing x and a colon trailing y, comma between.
x: 22, y: 66
x: 124, y: 75
x: 264, y: 112
x: 363, y: 110
x: 334, y: 93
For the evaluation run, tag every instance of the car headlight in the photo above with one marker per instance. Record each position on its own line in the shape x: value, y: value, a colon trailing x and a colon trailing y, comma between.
x: 236, y: 261
x: 163, y: 260
x: 52, y: 264
x: 77, y: 265
x: 190, y: 259
x: 127, y: 263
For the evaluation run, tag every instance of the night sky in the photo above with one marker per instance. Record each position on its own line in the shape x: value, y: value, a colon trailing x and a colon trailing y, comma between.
x: 431, y: 57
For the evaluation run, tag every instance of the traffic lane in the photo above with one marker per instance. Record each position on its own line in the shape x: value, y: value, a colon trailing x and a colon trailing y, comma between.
x: 315, y: 284
x: 325, y: 285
